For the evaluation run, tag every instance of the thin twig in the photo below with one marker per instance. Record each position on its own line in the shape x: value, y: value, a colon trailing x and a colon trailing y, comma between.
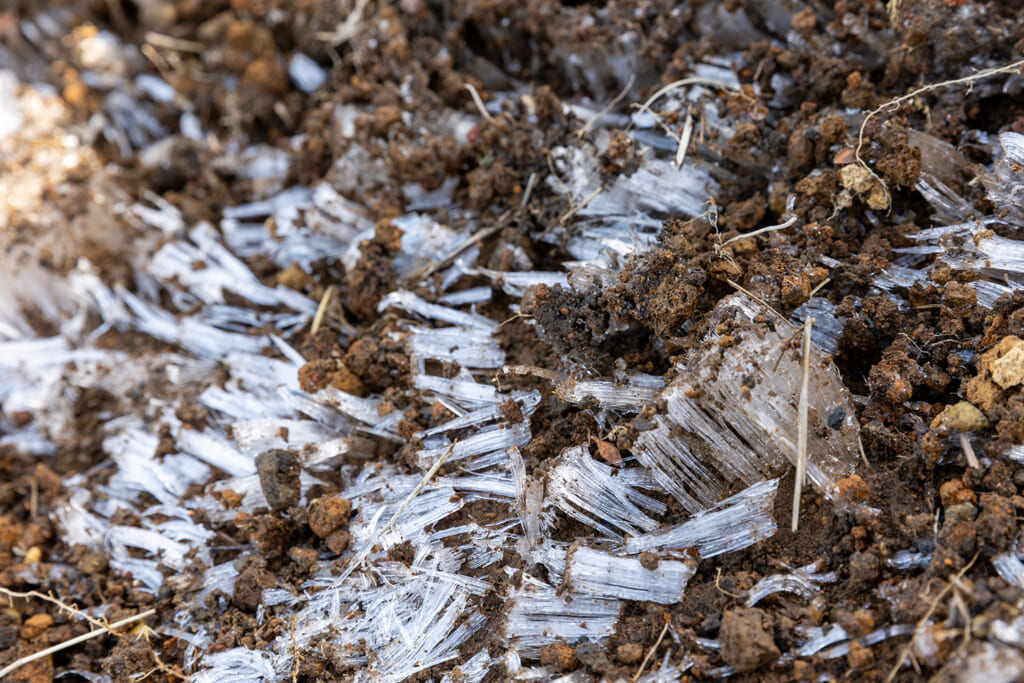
x: 531, y: 182
x: 931, y: 610
x: 429, y: 268
x: 801, y: 428
x: 172, y: 43
x: 972, y: 459
x: 74, y: 641
x: 650, y: 653
x: 684, y: 140
x: 69, y: 608
x: 895, y: 102
x: 760, y: 231
x: 761, y: 301
x: 817, y: 288
x: 572, y: 211
x: 618, y: 98
x: 478, y: 101
x: 321, y: 310
x: 683, y: 82
x: 423, y: 482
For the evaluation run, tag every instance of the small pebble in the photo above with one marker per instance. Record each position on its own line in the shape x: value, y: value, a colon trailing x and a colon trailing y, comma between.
x: 279, y: 477
x: 962, y: 511
x: 327, y: 515
x: 629, y: 653
x: 560, y: 657
x: 35, y: 626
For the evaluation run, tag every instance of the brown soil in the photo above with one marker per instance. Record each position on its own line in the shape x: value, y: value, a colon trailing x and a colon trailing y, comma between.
x: 911, y: 364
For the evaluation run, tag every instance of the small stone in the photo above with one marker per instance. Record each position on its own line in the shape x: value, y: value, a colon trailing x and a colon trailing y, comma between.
x: 294, y: 277
x: 859, y: 657
x: 962, y: 511
x: 35, y: 626
x: 955, y: 491
x: 338, y: 541
x: 649, y: 560
x: 92, y: 562
x: 629, y: 653
x: 856, y: 178
x: 327, y: 515
x: 593, y: 656
x: 962, y: 416
x: 560, y: 657
x: 854, y: 489
x: 1008, y: 369
x: 279, y: 478
x: 249, y: 587
x: 304, y: 558
x: 746, y: 639
x: 864, y: 569
x: 844, y: 156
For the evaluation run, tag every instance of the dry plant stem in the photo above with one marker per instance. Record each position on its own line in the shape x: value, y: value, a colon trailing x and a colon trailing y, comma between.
x: 1009, y: 68
x: 819, y: 286
x: 74, y: 641
x: 321, y: 310
x: 650, y: 653
x: 70, y: 609
x: 531, y: 183
x: 761, y: 301
x: 172, y: 43
x: 972, y: 459
x: 682, y: 83
x: 771, y: 228
x: 479, y: 102
x: 349, y: 29
x: 801, y: 429
x: 684, y: 141
x: 931, y: 610
x: 597, y: 117
x: 428, y: 269
x: 423, y: 482
x: 572, y: 211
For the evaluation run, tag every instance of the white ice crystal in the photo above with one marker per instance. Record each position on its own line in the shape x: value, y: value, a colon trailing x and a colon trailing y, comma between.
x: 538, y: 616
x: 731, y: 413
x: 598, y: 574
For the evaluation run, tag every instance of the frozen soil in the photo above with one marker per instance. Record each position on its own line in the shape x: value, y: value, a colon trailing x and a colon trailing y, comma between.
x: 808, y: 72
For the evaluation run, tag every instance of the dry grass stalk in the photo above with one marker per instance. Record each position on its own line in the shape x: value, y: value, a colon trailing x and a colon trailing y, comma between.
x: 895, y: 102
x: 684, y: 140
x: 479, y: 102
x: 955, y: 581
x: 73, y: 641
x: 801, y: 429
x: 321, y: 310
x: 423, y: 483
x: 608, y: 107
x: 771, y: 228
x: 650, y: 653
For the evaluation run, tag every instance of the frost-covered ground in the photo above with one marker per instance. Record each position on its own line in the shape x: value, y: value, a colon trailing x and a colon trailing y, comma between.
x: 458, y: 561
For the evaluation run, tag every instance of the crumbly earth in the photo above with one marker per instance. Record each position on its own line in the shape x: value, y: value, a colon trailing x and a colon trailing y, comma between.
x: 915, y: 366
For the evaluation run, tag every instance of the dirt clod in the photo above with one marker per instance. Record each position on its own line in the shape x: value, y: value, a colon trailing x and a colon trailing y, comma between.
x: 746, y: 639
x: 279, y: 478
x: 327, y: 515
x: 249, y: 586
x: 560, y: 657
